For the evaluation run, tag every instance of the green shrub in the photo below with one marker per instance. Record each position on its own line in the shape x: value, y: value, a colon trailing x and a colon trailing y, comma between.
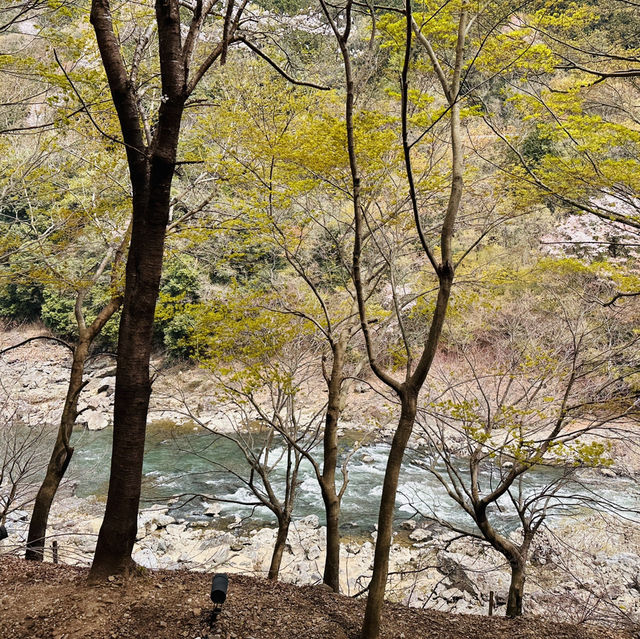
x: 21, y: 302
x: 57, y: 313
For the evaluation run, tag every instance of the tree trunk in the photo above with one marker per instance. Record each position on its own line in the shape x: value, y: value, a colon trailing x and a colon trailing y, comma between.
x: 60, y: 457
x: 516, y: 588
x: 133, y: 387
x: 332, y: 562
x: 330, y: 496
x: 278, y: 548
x: 151, y: 170
x: 371, y: 623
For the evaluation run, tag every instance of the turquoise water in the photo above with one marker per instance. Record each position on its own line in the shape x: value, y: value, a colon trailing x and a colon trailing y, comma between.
x: 188, y: 463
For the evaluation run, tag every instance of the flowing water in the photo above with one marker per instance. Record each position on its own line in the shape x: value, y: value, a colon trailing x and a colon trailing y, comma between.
x: 182, y: 462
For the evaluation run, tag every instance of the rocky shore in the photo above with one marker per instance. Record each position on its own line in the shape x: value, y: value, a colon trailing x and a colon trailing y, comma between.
x: 35, y: 378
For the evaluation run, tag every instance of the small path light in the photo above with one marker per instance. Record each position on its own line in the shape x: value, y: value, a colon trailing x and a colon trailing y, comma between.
x: 219, y: 587
x: 3, y: 532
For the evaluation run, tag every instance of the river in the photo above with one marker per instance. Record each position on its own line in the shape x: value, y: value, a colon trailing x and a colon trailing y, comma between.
x: 194, y: 462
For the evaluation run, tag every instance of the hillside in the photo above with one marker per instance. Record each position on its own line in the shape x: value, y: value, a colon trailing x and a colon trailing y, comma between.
x: 45, y: 600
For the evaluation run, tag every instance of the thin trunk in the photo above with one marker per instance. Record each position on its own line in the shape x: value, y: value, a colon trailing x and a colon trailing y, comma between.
x: 516, y: 587
x: 330, y: 496
x: 331, y: 575
x: 278, y: 548
x: 516, y: 556
x: 371, y: 624
x: 409, y: 390
x: 60, y: 457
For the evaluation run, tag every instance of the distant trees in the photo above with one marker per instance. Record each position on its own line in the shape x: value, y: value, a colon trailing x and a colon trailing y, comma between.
x: 577, y: 145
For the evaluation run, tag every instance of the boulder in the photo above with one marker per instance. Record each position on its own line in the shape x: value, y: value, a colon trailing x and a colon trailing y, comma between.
x: 452, y: 595
x: 96, y: 420
x: 146, y: 558
x: 312, y: 521
x: 461, y: 572
x: 212, y: 510
x: 420, y: 534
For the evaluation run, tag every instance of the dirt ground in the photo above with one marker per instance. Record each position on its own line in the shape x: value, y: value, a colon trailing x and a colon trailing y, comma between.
x: 46, y: 601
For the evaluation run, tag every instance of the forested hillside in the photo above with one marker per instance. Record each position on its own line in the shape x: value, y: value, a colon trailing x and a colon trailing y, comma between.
x: 372, y: 264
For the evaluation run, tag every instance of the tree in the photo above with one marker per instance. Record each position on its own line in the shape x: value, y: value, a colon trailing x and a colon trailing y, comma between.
x: 263, y: 364
x: 570, y: 133
x: 151, y: 147
x: 463, y: 53
x: 68, y: 245
x: 151, y: 157
x: 278, y: 156
x: 550, y: 393
x: 408, y: 389
x: 62, y: 450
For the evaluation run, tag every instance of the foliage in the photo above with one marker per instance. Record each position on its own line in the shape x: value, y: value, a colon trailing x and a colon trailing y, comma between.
x: 21, y: 302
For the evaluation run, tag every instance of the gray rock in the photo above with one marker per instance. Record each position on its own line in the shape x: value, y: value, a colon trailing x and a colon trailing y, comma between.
x: 313, y: 553
x: 146, y: 558
x: 452, y: 594
x: 420, y: 534
x: 312, y: 521
x: 213, y: 510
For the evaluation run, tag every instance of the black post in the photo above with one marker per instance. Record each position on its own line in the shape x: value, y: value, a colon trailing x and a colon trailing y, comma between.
x: 219, y: 587
x: 54, y: 548
x: 491, y: 602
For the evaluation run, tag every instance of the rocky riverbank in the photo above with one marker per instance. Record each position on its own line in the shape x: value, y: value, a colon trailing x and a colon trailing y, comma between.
x: 35, y: 378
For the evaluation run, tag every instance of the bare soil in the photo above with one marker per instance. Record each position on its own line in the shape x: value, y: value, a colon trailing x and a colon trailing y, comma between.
x: 47, y: 601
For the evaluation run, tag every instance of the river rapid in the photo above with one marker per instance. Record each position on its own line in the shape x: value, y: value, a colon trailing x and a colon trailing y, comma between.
x: 200, y: 468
